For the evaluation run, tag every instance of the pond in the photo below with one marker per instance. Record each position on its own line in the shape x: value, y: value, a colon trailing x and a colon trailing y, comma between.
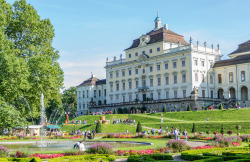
x: 61, y: 145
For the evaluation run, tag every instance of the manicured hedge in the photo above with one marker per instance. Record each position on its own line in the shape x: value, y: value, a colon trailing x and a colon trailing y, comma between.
x: 91, y: 157
x: 227, y: 154
x: 153, y: 157
x: 21, y: 159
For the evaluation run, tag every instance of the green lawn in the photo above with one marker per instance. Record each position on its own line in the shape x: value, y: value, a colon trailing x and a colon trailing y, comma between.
x: 213, y: 115
x: 183, y: 120
x: 106, y: 128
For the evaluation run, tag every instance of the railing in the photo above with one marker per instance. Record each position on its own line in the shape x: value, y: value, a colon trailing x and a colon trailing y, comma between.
x: 177, y: 49
x: 143, y: 88
x: 115, y: 62
x: 143, y: 102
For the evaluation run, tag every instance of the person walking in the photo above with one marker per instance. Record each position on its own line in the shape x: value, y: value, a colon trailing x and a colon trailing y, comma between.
x: 167, y: 128
x: 93, y: 132
x: 175, y: 133
x: 161, y: 119
x: 185, y: 133
x: 85, y: 135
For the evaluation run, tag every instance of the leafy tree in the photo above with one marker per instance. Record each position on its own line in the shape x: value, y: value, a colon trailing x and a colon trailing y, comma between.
x: 189, y: 108
x: 203, y: 107
x: 9, y: 116
x: 150, y: 110
x: 115, y: 112
x: 87, y: 112
x: 120, y: 111
x: 144, y: 109
x: 194, y: 128
x: 139, y: 127
x: 69, y: 99
x: 125, y: 110
x: 98, y: 127
x: 28, y: 61
x: 221, y: 107
x: 222, y: 129
x: 53, y: 110
x: 164, y: 109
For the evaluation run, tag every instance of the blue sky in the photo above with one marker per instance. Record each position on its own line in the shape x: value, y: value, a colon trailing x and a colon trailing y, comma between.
x: 88, y: 31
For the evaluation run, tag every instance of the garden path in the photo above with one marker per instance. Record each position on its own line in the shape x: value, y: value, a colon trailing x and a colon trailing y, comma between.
x: 164, y: 118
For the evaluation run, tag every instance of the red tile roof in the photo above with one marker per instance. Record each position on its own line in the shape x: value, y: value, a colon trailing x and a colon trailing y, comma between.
x: 93, y: 81
x: 241, y: 59
x: 161, y: 35
x: 244, y: 47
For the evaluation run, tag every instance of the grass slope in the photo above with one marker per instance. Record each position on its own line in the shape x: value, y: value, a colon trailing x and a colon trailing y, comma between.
x: 183, y: 120
x: 214, y: 115
x: 106, y: 128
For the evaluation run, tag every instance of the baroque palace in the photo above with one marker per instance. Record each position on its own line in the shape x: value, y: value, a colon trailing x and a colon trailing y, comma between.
x: 162, y: 70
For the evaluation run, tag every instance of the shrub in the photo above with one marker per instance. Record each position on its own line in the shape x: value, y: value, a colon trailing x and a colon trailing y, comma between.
x: 196, y: 108
x: 91, y: 157
x: 87, y: 112
x: 222, y: 129
x: 154, y: 157
x: 20, y: 154
x: 238, y: 127
x: 235, y: 139
x: 115, y: 112
x: 139, y: 127
x: 210, y: 108
x: 177, y: 145
x: 230, y: 132
x: 125, y: 110
x: 215, y: 133
x: 150, y: 110
x: 111, y: 135
x: 203, y: 107
x: 3, y: 151
x: 98, y: 127
x: 144, y: 109
x: 189, y: 108
x: 164, y: 109
x: 120, y: 111
x: 208, y: 132
x: 220, y: 107
x: 194, y: 128
x: 100, y: 148
x: 245, y: 138
x: 223, y: 142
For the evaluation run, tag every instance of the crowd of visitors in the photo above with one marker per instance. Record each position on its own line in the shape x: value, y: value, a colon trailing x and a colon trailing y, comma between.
x: 124, y: 121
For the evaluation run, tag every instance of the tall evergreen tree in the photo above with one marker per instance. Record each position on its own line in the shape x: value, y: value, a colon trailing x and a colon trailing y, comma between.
x: 222, y: 129
x: 194, y: 128
x: 87, y: 112
x: 221, y: 107
x: 115, y: 112
x: 164, y: 109
x: 98, y: 127
x: 189, y: 108
x: 139, y: 127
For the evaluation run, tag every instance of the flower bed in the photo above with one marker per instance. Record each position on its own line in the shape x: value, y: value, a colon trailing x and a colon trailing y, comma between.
x: 203, y: 147
x: 176, y: 145
x: 100, y: 148
x: 3, y: 151
x: 142, y: 152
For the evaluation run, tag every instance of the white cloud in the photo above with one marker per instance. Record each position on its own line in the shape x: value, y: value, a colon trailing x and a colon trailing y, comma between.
x: 78, y: 69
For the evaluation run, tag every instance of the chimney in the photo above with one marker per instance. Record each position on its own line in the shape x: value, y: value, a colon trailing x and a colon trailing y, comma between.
x: 166, y: 26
